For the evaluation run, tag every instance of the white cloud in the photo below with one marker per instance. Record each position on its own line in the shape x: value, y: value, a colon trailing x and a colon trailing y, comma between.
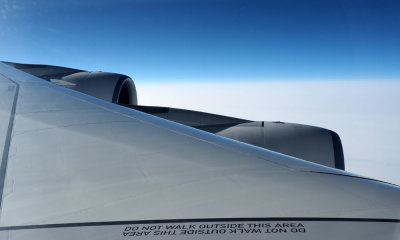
x: 366, y: 114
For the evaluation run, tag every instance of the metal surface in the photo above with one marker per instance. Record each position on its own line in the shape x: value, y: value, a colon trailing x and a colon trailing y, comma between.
x: 76, y: 159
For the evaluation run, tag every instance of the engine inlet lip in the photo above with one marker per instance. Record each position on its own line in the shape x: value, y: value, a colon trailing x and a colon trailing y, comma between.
x: 125, y: 91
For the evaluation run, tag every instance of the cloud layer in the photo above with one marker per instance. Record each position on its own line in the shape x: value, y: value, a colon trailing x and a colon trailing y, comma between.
x: 366, y: 114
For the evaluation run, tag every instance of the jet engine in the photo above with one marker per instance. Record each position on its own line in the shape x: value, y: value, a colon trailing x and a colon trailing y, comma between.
x: 112, y: 87
x: 306, y: 142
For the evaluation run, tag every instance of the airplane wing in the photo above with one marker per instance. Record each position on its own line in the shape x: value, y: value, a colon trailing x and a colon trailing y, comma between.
x: 76, y: 167
x: 309, y: 143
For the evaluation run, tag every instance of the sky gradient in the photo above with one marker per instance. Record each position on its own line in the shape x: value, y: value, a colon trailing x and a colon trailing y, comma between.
x: 202, y: 40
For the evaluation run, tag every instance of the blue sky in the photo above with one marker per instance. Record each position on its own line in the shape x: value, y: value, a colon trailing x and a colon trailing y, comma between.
x: 178, y: 40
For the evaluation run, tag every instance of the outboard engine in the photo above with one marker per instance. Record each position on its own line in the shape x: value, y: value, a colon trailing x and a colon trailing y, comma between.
x: 309, y: 143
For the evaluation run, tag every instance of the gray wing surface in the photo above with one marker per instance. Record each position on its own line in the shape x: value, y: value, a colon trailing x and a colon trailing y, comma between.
x: 77, y: 167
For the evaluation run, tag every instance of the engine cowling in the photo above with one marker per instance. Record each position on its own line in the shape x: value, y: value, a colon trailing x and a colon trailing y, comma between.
x: 306, y: 142
x: 112, y: 87
x: 309, y: 143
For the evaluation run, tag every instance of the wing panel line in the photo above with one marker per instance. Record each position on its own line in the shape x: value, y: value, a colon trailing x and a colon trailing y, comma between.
x: 6, y: 150
x: 201, y: 220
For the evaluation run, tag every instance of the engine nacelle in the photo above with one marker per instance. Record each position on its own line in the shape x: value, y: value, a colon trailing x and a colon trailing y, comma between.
x: 310, y: 143
x: 112, y: 87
